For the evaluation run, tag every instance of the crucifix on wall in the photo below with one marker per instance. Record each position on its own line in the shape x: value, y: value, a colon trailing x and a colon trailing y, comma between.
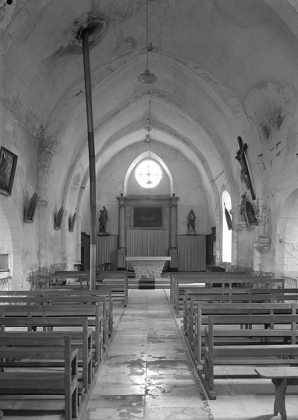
x: 245, y: 176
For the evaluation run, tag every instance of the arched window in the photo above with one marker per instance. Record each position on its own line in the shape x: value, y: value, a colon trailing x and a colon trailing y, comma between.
x: 226, y: 227
x: 148, y: 173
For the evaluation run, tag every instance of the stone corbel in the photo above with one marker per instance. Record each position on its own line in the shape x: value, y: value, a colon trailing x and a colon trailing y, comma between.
x: 264, y: 244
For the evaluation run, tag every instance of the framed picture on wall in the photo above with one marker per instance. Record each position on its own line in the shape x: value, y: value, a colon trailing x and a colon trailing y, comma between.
x: 58, y: 218
x: 71, y: 222
x: 147, y: 217
x: 8, y: 163
x: 31, y: 208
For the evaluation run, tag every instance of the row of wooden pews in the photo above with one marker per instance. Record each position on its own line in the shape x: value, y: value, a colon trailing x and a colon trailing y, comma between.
x: 182, y: 281
x: 56, y: 334
x: 246, y: 326
x: 115, y: 282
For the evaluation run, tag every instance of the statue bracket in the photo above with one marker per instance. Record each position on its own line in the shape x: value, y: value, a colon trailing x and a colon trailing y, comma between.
x: 263, y: 244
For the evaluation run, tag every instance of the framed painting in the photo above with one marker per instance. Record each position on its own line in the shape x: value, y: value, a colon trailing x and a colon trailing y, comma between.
x: 147, y: 217
x: 58, y: 218
x: 71, y: 222
x: 8, y: 163
x: 31, y: 208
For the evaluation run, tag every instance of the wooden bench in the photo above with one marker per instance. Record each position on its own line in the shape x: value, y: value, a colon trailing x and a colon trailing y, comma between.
x: 281, y: 377
x: 90, y: 311
x: 62, y: 277
x: 70, y: 297
x: 194, y: 329
x: 200, y: 284
x: 76, y: 328
x: 197, y: 277
x: 193, y: 297
x: 116, y: 281
x: 61, y: 382
x: 253, y: 354
x: 180, y: 277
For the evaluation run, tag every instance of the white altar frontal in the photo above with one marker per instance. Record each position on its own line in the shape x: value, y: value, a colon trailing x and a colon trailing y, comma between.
x: 148, y: 267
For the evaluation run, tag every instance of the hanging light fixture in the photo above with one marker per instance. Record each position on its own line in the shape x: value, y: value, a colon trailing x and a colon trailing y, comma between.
x: 147, y: 77
x: 147, y: 138
x: 148, y: 172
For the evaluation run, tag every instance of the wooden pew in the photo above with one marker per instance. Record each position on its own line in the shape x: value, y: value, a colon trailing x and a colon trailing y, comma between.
x: 116, y: 281
x: 281, y: 377
x: 190, y: 320
x: 64, y: 296
x: 195, y: 331
x: 61, y: 382
x: 249, y: 354
x: 237, y: 295
x: 61, y: 277
x: 180, y: 277
x: 179, y: 286
x: 212, y: 296
x: 77, y: 328
x: 66, y: 309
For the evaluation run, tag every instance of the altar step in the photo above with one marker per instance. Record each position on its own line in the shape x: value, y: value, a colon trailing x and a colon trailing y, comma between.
x: 149, y: 283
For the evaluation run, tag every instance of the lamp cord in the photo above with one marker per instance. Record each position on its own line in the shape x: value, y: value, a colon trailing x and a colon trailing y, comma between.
x: 147, y: 31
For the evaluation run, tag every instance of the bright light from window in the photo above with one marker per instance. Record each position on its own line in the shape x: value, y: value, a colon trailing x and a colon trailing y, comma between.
x: 148, y: 174
x: 226, y: 233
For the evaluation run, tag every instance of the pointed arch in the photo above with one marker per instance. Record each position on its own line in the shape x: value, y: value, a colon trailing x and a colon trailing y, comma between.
x: 147, y: 155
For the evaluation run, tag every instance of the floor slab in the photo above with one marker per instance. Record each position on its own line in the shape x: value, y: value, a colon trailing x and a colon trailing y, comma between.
x: 148, y: 373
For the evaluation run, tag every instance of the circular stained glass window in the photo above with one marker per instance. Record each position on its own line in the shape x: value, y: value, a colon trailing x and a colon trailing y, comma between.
x: 148, y: 173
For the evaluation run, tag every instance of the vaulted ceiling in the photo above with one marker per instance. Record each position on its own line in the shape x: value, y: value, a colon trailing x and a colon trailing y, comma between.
x: 221, y: 66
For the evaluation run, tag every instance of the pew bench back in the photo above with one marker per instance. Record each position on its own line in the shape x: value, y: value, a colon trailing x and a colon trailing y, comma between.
x: 62, y: 382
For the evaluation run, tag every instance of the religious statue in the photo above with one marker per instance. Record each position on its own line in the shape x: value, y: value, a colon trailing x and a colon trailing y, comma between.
x: 191, y: 225
x: 264, y: 241
x: 247, y: 211
x: 103, y: 220
x: 263, y: 221
x: 242, y: 209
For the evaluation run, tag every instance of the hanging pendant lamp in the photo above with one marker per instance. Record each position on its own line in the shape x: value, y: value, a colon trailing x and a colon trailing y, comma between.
x: 147, y: 77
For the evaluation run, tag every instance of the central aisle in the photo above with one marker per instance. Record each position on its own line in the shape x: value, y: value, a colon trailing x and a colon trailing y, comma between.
x: 147, y: 373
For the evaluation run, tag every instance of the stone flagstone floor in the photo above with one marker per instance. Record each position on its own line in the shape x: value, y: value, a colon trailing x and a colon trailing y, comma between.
x: 147, y: 373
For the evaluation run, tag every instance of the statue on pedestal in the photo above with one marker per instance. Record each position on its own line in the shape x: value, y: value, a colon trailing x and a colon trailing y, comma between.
x: 191, y: 225
x: 103, y: 220
x: 264, y: 241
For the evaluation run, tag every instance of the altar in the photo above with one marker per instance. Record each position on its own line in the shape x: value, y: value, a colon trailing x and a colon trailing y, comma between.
x: 148, y: 267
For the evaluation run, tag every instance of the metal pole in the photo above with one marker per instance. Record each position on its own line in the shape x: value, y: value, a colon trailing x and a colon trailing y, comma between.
x: 92, y: 174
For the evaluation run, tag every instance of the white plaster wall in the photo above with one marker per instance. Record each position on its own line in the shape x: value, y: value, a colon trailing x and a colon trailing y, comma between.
x: 5, y: 237
x: 245, y: 248
x: 23, y: 240
x: 287, y: 238
x: 186, y: 180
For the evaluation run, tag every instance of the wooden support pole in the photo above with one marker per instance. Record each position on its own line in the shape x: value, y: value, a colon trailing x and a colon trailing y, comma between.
x: 92, y: 173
